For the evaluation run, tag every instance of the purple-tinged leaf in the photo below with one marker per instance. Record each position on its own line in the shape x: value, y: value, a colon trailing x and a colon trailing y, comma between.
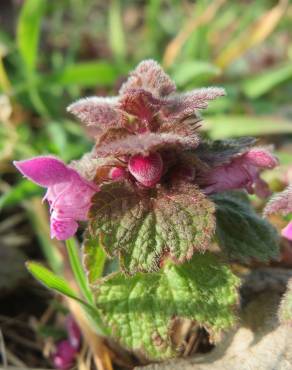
x: 140, y: 103
x: 96, y: 111
x: 144, y: 228
x: 280, y: 203
x: 149, y: 76
x: 180, y: 106
x: 146, y: 143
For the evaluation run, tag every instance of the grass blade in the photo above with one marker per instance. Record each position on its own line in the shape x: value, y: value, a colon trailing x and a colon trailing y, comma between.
x: 28, y: 31
x: 256, y: 33
x: 116, y: 32
x: 77, y: 269
x: 262, y: 83
x: 86, y: 74
x: 222, y: 126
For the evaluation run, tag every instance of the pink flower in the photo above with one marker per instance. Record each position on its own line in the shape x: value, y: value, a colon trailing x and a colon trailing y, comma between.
x: 242, y: 172
x: 68, y: 194
x: 66, y: 350
x: 147, y: 170
x: 64, y: 356
x: 287, y: 231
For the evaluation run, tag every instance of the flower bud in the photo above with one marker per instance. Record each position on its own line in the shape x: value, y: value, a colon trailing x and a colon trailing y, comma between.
x: 147, y: 170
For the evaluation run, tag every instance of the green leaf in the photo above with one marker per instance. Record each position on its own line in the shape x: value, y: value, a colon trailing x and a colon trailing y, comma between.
x: 23, y: 190
x: 240, y: 232
x: 28, y: 31
x: 143, y: 228
x: 285, y: 309
x: 141, y: 310
x: 88, y: 74
x: 262, y: 83
x: 94, y: 258
x: 222, y: 127
x: 79, y: 273
x: 51, y: 280
x: 188, y: 72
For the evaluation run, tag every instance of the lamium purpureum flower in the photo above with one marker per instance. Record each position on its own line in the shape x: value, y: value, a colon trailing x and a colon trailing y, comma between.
x: 242, y: 172
x: 282, y: 203
x: 68, y: 194
x: 66, y: 351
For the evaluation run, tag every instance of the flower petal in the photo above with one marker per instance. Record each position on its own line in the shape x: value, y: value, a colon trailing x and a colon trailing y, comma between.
x: 44, y: 171
x: 261, y: 158
x: 287, y: 231
x: 63, y: 229
x: 64, y: 356
x: 241, y: 172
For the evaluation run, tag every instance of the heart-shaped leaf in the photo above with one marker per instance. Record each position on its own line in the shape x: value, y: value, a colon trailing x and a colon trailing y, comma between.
x: 141, y: 310
x: 142, y: 228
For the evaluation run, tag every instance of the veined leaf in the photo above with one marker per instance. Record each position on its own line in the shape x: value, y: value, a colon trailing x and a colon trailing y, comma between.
x: 28, y: 31
x: 143, y: 228
x: 141, y: 309
x: 240, y: 232
x: 222, y: 127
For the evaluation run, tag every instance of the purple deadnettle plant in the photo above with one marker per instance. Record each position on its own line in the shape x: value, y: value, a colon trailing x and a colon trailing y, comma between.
x: 170, y: 206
